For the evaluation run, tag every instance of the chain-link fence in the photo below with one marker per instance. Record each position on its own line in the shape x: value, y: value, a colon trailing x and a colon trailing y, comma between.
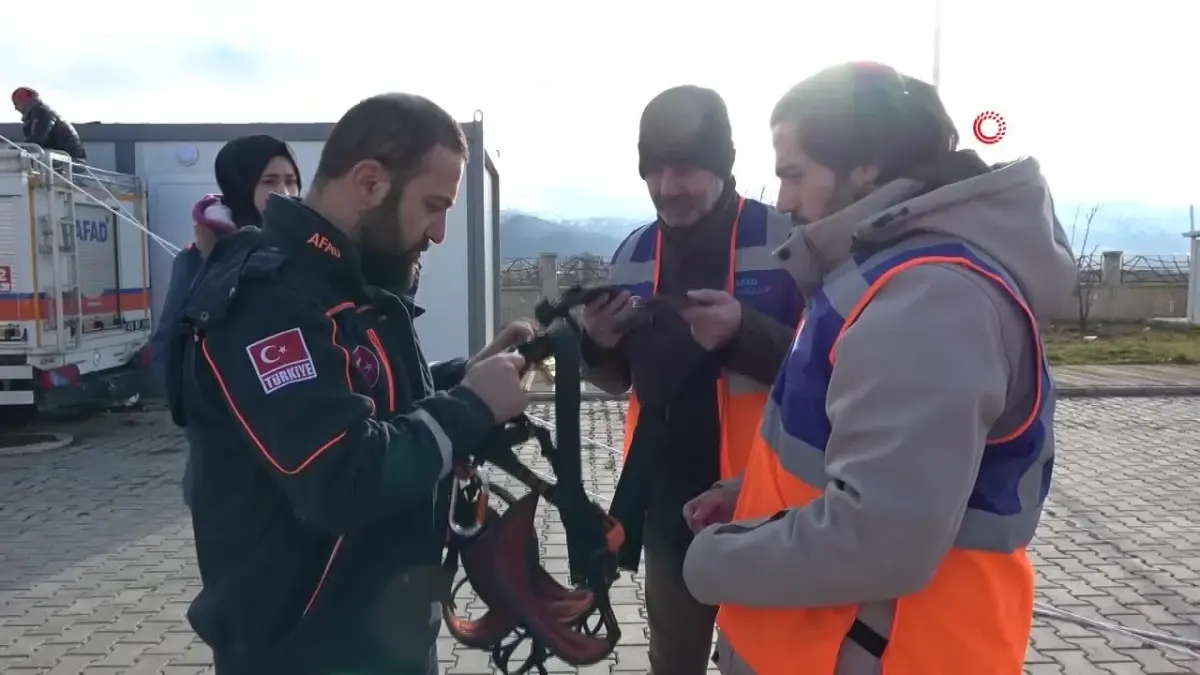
x: 590, y: 270
x: 521, y: 273
x: 1138, y: 269
x: 1167, y: 269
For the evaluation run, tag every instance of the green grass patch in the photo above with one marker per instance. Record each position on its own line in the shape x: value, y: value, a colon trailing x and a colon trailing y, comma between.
x: 1122, y: 344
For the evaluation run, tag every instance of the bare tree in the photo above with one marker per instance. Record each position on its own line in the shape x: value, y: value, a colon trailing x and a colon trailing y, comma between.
x: 1081, y: 233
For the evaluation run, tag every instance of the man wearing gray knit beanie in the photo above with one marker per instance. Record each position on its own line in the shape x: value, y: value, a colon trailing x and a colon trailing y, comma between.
x: 700, y: 367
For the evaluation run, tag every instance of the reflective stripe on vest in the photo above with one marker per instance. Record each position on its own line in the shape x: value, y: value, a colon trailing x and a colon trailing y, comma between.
x: 975, y: 615
x: 757, y: 279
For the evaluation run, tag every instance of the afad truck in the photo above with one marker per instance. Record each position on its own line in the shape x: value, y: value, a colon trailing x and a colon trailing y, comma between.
x: 74, y: 283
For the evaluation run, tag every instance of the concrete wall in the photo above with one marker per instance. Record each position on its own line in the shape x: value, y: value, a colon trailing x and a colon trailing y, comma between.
x: 1117, y: 295
x: 1136, y: 302
x: 1111, y: 297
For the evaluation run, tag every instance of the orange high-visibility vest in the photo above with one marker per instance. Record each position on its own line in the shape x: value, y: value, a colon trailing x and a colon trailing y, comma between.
x: 757, y: 279
x: 975, y: 616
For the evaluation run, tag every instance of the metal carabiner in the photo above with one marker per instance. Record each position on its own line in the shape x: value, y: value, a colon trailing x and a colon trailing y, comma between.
x: 481, y: 504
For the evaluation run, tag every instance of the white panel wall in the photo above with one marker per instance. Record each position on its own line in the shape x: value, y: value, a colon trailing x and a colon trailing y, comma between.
x: 101, y: 155
x: 444, y: 291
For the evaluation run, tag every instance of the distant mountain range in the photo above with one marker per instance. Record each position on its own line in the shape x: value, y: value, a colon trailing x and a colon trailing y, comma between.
x: 1148, y: 229
x: 1118, y: 226
x: 526, y: 235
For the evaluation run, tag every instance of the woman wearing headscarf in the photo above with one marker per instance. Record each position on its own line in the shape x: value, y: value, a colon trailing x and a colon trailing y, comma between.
x: 248, y: 170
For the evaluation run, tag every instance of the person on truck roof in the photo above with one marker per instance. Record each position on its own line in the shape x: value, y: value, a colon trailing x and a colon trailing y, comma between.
x: 325, y: 442
x: 906, y: 450
x: 42, y: 126
x: 248, y: 170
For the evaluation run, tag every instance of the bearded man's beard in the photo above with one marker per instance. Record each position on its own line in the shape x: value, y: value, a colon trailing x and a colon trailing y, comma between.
x: 416, y: 278
x: 384, y: 264
x: 395, y: 274
x: 688, y: 209
x: 845, y: 193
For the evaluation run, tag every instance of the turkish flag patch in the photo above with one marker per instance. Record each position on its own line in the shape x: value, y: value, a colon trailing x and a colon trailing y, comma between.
x: 281, y: 360
x: 367, y: 364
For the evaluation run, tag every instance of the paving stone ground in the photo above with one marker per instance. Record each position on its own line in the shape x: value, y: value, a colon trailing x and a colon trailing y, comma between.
x: 1076, y: 381
x: 1109, y: 377
x: 96, y: 562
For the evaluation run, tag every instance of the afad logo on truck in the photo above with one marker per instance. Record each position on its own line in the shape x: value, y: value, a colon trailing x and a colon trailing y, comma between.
x: 91, y: 230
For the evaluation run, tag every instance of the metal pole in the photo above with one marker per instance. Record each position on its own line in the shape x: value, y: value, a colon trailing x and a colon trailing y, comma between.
x: 1193, y: 296
x: 937, y: 44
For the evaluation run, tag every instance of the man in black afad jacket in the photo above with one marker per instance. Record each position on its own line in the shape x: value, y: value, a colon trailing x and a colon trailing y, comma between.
x: 326, y: 443
x: 42, y: 126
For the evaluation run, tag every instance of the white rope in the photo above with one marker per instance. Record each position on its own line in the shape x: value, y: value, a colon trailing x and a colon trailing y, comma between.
x: 170, y: 247
x: 120, y: 214
x: 1174, y: 643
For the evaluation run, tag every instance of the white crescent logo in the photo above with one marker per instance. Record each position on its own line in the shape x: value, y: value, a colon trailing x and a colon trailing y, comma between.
x: 265, y: 352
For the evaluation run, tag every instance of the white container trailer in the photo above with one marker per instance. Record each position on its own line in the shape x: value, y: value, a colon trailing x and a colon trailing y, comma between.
x: 74, y: 281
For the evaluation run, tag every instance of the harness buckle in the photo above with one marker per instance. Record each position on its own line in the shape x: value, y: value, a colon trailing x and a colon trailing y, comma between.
x: 477, y: 481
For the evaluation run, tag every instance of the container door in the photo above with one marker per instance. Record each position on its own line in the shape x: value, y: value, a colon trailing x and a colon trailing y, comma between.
x: 98, y: 276
x: 14, y: 221
x: 17, y: 300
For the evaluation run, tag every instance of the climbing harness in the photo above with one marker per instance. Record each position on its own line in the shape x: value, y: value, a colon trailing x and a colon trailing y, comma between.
x: 499, y: 552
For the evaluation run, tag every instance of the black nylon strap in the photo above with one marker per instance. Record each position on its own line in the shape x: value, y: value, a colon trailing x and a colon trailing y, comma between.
x: 636, y: 484
x: 868, y: 638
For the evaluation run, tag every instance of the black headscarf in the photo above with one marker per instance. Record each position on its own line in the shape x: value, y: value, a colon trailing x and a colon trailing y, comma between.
x: 239, y: 167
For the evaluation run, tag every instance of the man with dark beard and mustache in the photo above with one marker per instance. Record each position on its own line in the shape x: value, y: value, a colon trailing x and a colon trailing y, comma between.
x: 325, y: 443
x: 700, y: 375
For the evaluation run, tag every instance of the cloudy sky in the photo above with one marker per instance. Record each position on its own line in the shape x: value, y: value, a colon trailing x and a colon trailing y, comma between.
x: 1103, y: 92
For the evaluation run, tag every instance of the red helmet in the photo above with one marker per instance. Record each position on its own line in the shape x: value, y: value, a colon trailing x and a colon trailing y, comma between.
x: 23, y: 95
